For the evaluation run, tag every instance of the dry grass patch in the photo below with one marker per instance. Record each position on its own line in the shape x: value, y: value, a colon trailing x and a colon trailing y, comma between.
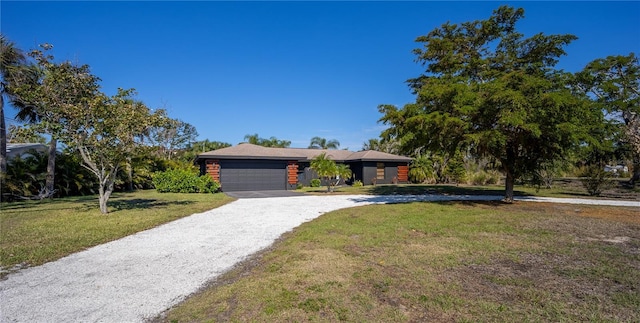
x: 454, y: 261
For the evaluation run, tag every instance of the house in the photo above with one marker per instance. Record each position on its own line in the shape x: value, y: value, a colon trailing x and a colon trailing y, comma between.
x: 21, y: 150
x: 248, y: 167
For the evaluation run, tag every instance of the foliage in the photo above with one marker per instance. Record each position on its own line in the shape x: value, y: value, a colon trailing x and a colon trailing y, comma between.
x: 357, y: 183
x: 271, y: 142
x: 24, y: 134
x: 384, y: 145
x: 25, y: 177
x: 484, y: 178
x: 615, y: 83
x: 323, y: 143
x: 170, y: 136
x: 595, y: 179
x: 184, y: 181
x: 192, y: 150
x: 455, y: 171
x: 493, y: 91
x: 315, y: 182
x: 329, y: 171
x: 421, y: 170
x: 12, y: 60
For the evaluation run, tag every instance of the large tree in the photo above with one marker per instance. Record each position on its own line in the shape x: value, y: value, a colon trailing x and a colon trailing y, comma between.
x: 12, y: 59
x: 323, y: 143
x: 614, y: 81
x: 490, y: 89
x: 47, y: 93
x: 104, y: 132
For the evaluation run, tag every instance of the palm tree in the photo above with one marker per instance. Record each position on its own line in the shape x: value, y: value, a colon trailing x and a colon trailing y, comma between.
x: 322, y: 143
x: 11, y: 59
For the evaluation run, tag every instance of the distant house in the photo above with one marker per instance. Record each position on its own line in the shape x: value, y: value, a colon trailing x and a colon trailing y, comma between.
x: 21, y: 150
x: 248, y: 167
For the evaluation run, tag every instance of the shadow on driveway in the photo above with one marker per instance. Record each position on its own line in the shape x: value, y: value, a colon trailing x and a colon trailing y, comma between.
x: 262, y: 194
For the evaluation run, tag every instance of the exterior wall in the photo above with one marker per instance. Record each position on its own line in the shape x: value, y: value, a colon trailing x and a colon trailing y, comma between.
x: 369, y: 170
x: 273, y: 174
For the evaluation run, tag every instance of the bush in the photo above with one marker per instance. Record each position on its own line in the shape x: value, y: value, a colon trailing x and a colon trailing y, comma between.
x: 595, y: 179
x: 357, y: 183
x: 485, y: 178
x: 184, y: 181
x: 315, y: 182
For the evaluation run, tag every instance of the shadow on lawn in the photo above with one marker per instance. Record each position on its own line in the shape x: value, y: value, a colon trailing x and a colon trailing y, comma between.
x: 488, y: 200
x: 134, y: 204
x: 437, y: 189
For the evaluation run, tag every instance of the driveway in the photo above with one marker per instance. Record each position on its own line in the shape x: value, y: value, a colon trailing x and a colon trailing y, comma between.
x: 140, y: 276
x: 262, y: 194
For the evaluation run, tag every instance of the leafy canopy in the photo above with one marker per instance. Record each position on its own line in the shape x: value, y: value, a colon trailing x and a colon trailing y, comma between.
x: 489, y: 88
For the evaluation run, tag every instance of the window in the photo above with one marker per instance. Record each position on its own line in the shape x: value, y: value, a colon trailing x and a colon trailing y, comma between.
x: 380, y: 171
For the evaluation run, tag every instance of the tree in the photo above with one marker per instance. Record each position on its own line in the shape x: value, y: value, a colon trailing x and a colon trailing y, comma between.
x: 47, y: 93
x: 329, y: 171
x: 11, y: 61
x: 389, y: 146
x: 271, y: 142
x: 171, y: 136
x: 614, y: 81
x: 103, y: 131
x: 490, y: 90
x: 193, y: 149
x: 322, y: 143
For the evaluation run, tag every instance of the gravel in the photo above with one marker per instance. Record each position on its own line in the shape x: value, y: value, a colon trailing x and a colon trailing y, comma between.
x: 140, y: 276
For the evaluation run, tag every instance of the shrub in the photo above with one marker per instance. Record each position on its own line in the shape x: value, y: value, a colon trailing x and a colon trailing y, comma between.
x: 315, y: 182
x: 357, y: 183
x: 485, y: 178
x: 595, y: 179
x: 184, y: 181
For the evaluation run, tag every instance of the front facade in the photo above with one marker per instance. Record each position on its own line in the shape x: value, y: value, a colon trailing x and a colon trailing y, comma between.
x: 248, y: 167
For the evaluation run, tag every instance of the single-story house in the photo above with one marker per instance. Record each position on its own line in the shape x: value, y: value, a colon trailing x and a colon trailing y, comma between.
x: 248, y: 167
x: 22, y: 150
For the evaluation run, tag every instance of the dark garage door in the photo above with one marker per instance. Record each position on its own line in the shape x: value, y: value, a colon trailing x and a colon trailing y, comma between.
x: 244, y: 175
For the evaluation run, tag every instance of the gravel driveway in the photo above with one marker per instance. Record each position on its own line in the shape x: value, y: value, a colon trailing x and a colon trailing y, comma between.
x: 141, y: 275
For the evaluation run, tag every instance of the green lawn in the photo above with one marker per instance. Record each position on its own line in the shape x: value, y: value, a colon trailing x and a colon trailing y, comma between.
x: 565, y: 187
x: 426, y: 262
x: 35, y: 232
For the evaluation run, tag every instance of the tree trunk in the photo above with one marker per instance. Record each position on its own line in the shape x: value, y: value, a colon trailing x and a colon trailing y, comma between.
x: 129, y: 175
x: 105, y: 194
x: 103, y: 200
x: 508, y: 187
x: 51, y: 168
x: 3, y: 146
x: 3, y: 139
x: 635, y: 177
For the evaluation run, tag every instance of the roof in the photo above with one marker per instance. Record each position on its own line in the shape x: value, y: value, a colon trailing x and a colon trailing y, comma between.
x: 251, y: 151
x: 19, y: 149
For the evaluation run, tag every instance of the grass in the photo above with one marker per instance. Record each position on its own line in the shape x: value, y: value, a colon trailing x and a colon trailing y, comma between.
x: 35, y: 232
x: 564, y: 187
x: 450, y: 261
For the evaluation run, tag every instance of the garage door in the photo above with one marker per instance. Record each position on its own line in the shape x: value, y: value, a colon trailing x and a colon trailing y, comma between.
x: 253, y: 175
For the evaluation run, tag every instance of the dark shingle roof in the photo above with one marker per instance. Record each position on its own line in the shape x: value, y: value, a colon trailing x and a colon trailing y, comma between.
x: 250, y: 151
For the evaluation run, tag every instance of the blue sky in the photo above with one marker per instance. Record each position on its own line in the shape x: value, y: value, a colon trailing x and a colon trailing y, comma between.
x: 293, y: 70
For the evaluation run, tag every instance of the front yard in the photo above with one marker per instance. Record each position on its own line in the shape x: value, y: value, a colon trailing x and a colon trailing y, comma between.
x: 438, y: 262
